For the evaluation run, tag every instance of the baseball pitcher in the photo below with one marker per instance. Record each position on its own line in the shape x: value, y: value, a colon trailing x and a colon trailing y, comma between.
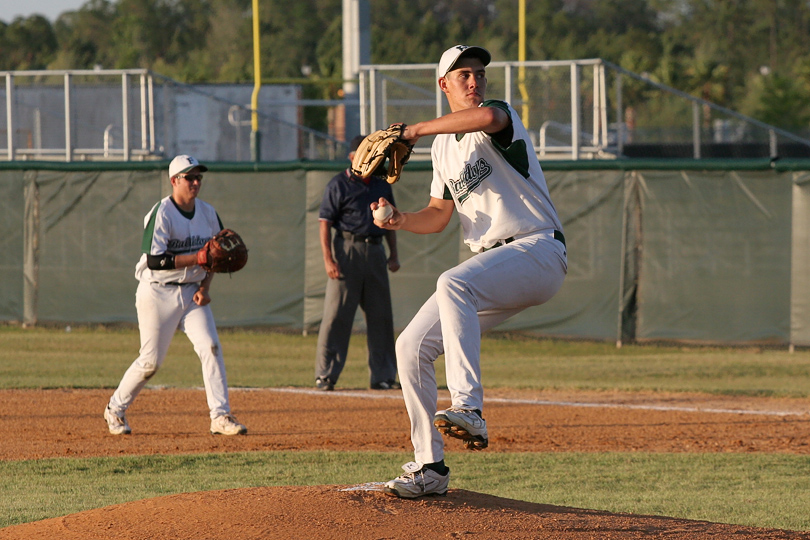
x: 486, y: 169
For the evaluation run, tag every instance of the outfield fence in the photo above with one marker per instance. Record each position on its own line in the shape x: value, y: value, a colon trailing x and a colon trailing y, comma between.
x: 709, y: 251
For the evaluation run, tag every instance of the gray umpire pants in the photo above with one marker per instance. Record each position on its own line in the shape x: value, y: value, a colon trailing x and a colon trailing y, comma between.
x: 363, y: 282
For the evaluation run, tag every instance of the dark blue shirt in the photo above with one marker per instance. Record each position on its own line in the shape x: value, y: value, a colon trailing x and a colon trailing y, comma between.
x: 346, y: 202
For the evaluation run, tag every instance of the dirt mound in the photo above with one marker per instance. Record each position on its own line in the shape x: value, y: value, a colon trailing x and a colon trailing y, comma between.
x: 361, y: 512
x: 58, y: 423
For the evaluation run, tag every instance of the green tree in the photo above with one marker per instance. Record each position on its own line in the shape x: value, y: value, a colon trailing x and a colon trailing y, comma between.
x: 290, y: 32
x: 27, y: 43
x: 713, y: 49
x: 84, y: 37
x: 216, y: 43
x: 783, y: 103
x: 230, y: 39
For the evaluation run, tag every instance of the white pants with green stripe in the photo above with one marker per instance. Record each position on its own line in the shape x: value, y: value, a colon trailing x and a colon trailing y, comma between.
x: 470, y: 298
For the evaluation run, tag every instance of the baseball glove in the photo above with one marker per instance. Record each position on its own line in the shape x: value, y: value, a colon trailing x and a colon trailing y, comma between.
x: 376, y: 148
x: 225, y: 252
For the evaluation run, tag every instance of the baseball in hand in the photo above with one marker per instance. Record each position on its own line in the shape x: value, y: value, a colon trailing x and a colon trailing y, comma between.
x: 383, y: 213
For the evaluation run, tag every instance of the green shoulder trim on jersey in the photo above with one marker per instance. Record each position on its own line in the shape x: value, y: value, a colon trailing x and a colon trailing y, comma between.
x: 517, y: 155
x: 447, y: 195
x: 219, y: 220
x: 149, y: 231
x: 497, y: 103
x: 514, y: 152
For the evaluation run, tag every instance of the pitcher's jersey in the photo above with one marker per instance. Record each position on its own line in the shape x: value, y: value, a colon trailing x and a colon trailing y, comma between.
x: 499, y: 192
x: 167, y: 229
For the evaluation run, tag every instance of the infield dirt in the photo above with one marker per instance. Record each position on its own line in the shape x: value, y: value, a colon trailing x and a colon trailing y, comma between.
x: 68, y: 423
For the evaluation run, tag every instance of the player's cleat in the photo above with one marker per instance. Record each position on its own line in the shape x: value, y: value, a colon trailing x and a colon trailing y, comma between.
x: 418, y: 481
x: 117, y: 424
x: 227, y: 424
x: 463, y: 424
x: 324, y: 384
x: 390, y: 384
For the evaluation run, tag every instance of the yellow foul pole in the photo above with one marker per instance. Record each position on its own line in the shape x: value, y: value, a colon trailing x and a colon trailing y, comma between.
x: 524, y: 94
x: 255, y: 136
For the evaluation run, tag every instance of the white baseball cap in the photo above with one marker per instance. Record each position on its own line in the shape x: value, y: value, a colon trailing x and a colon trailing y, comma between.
x: 451, y: 56
x: 184, y: 163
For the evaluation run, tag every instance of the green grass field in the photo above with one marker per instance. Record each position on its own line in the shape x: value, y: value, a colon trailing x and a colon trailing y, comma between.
x: 747, y: 489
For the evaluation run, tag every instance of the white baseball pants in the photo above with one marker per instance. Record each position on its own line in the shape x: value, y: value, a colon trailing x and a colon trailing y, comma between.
x: 163, y: 309
x: 470, y: 298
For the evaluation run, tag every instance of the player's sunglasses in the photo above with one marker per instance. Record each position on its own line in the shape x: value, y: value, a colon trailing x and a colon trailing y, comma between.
x: 191, y: 177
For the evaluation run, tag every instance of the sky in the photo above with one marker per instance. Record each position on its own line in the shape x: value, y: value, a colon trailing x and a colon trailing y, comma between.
x: 51, y: 9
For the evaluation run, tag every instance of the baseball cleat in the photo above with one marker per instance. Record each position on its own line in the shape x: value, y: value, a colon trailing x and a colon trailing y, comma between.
x: 324, y: 384
x: 418, y: 481
x: 463, y: 424
x: 390, y: 384
x: 227, y: 424
x: 117, y: 424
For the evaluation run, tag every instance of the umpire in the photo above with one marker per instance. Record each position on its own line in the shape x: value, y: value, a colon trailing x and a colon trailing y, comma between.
x: 357, y: 268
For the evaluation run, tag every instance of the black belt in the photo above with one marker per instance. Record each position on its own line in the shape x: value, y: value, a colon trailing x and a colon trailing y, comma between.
x: 361, y: 238
x: 501, y: 243
x: 174, y: 283
x: 558, y: 235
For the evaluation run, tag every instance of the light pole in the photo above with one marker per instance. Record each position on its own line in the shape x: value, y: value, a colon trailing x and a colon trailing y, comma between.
x: 356, y: 52
x: 255, y: 136
x: 524, y: 93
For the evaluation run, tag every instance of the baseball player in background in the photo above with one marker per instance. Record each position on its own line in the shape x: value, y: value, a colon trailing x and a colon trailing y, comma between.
x: 173, y: 293
x: 484, y: 166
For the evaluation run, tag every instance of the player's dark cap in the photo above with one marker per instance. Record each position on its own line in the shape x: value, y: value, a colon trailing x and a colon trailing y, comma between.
x: 354, y: 144
x: 184, y: 163
x: 454, y: 53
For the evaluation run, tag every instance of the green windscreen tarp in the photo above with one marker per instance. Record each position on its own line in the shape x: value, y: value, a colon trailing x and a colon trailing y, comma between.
x: 707, y: 252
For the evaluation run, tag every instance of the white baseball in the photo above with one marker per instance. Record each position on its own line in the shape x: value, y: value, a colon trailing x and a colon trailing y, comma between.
x: 383, y: 213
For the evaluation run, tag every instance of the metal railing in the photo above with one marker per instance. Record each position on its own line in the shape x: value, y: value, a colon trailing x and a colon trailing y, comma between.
x: 71, y: 150
x: 572, y: 110
x: 124, y: 115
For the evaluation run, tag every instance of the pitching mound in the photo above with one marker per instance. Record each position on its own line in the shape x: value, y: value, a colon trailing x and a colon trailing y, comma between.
x: 361, y: 512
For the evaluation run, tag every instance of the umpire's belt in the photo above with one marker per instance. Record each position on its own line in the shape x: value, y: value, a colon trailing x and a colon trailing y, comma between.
x: 361, y: 238
x: 558, y: 235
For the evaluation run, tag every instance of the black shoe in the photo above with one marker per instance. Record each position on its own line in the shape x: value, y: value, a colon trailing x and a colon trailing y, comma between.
x: 390, y: 384
x: 324, y: 384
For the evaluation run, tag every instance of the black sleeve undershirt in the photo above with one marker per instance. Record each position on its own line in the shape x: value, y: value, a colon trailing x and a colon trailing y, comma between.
x: 164, y: 261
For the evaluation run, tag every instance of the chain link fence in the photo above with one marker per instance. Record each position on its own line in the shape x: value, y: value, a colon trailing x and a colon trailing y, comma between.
x: 583, y: 109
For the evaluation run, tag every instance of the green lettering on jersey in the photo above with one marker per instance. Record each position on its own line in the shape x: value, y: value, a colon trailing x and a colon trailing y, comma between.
x: 515, y: 153
x: 470, y: 178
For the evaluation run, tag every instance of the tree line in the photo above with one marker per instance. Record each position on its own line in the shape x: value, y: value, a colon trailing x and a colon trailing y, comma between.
x: 747, y: 55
